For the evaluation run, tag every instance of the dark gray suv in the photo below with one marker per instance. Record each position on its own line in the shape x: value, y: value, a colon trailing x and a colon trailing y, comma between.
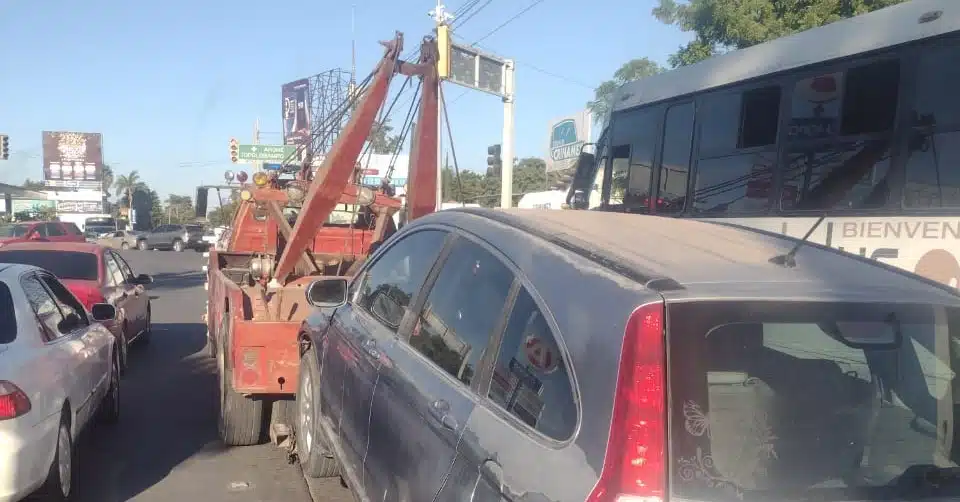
x: 582, y: 356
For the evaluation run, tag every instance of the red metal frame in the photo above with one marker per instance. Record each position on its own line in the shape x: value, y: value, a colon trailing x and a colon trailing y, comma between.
x: 265, y: 352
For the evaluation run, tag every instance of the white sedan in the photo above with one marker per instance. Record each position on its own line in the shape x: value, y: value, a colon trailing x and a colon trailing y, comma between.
x: 59, y: 370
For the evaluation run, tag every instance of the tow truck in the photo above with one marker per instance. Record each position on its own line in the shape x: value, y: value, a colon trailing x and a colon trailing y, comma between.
x: 286, y: 232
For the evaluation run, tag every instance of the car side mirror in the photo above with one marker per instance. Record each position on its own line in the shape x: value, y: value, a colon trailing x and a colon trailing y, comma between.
x: 330, y: 292
x: 143, y: 279
x: 103, y: 312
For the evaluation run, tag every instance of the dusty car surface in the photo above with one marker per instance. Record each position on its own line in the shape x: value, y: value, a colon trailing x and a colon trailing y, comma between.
x: 574, y: 355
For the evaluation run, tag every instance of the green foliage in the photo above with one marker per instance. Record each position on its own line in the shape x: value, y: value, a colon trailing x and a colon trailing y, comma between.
x: 381, y: 140
x: 29, y: 184
x: 223, y: 215
x: 630, y: 71
x: 529, y: 175
x: 721, y: 25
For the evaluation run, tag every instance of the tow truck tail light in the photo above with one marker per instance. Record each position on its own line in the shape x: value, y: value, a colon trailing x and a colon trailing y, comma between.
x: 250, y: 366
x: 13, y: 401
x: 634, y: 468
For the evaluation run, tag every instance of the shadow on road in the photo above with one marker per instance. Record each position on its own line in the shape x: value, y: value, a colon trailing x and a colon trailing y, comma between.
x: 168, y: 416
x: 177, y: 280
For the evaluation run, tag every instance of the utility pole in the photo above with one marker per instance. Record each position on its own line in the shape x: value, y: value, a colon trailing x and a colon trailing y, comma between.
x: 506, y: 171
x: 257, y: 166
x: 441, y: 17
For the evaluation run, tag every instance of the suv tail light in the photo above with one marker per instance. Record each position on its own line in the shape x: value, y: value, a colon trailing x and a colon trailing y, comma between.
x: 634, y: 468
x: 13, y: 401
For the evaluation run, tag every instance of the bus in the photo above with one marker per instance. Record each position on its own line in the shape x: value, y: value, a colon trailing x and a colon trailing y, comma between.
x: 857, y: 121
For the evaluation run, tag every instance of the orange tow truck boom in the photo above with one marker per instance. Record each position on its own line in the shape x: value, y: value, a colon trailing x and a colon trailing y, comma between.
x: 256, y: 286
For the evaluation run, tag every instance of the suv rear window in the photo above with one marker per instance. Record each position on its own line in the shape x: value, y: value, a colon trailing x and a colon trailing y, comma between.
x: 13, y: 230
x: 8, y: 319
x: 819, y: 401
x: 71, y: 228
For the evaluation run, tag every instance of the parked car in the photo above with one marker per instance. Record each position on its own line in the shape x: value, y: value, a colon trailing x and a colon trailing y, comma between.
x: 94, y: 274
x: 59, y: 370
x: 120, y: 239
x: 52, y: 231
x: 576, y: 355
x: 175, y: 237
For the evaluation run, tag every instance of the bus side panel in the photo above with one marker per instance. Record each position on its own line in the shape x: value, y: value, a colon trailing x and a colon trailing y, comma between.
x: 925, y: 245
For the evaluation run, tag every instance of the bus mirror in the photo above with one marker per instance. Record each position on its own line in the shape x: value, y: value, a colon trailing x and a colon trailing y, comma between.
x: 201, y: 206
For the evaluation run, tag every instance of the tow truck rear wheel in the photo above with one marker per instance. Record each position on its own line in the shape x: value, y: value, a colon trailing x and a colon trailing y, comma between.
x: 241, y: 418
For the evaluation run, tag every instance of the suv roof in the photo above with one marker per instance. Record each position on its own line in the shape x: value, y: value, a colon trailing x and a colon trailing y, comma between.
x: 685, y: 258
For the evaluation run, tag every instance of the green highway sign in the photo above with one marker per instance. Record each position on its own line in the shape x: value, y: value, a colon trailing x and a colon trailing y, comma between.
x: 265, y: 153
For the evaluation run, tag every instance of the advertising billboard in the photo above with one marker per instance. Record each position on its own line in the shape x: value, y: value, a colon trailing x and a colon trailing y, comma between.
x: 296, y: 112
x: 72, y: 156
x: 567, y: 137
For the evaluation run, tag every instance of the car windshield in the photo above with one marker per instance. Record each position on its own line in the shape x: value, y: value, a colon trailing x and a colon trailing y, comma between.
x: 813, y: 401
x: 13, y: 230
x: 63, y: 264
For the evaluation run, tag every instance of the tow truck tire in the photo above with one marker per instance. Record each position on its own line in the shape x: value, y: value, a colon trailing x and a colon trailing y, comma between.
x: 241, y: 418
x: 315, y: 457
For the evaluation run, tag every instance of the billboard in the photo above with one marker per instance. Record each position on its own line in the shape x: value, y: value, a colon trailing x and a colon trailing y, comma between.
x: 567, y: 137
x: 72, y: 156
x: 296, y: 112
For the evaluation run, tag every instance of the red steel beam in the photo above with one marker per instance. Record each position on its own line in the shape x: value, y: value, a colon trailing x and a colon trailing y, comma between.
x: 422, y: 178
x: 338, y: 165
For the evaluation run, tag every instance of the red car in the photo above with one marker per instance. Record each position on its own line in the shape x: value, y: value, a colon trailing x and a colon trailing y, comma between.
x: 94, y: 274
x: 49, y: 231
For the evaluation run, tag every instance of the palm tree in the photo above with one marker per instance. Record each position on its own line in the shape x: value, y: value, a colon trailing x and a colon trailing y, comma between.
x: 126, y: 184
x: 107, y: 179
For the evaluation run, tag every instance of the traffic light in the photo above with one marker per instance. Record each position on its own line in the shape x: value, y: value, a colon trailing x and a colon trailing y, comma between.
x: 234, y: 150
x: 4, y: 147
x: 493, y: 156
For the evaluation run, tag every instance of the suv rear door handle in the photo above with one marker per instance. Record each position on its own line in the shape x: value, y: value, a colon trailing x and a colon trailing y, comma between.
x: 440, y: 409
x: 370, y: 346
x: 493, y: 472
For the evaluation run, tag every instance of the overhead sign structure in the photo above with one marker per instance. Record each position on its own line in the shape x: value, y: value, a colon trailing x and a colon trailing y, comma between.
x: 472, y: 68
x: 567, y: 137
x: 265, y: 153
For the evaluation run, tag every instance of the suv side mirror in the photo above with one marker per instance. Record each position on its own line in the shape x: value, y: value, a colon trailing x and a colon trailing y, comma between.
x: 330, y: 292
x: 103, y: 312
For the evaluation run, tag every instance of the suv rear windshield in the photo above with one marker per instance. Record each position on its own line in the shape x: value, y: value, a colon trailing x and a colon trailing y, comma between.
x: 63, y: 264
x: 813, y: 401
x: 8, y: 319
x: 13, y: 230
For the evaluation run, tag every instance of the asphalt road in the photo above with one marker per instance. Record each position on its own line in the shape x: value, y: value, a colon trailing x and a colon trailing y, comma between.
x: 165, y: 447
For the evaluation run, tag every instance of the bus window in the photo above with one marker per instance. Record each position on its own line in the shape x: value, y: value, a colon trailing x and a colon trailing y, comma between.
x: 675, y: 160
x: 821, y: 172
x: 729, y: 180
x: 634, y: 137
x: 932, y: 181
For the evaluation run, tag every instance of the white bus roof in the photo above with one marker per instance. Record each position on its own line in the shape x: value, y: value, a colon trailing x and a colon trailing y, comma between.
x: 882, y: 28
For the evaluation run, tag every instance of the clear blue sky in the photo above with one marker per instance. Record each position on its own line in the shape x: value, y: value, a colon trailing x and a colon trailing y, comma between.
x: 168, y: 83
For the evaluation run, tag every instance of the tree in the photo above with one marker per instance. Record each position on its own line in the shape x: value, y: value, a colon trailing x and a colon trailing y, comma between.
x: 631, y: 70
x: 180, y: 209
x: 720, y: 25
x: 106, y: 180
x: 126, y: 184
x: 29, y: 184
x: 156, y: 208
x: 381, y: 141
x: 222, y: 216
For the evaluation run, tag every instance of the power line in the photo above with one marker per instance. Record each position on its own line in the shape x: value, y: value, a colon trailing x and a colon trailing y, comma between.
x: 508, y: 21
